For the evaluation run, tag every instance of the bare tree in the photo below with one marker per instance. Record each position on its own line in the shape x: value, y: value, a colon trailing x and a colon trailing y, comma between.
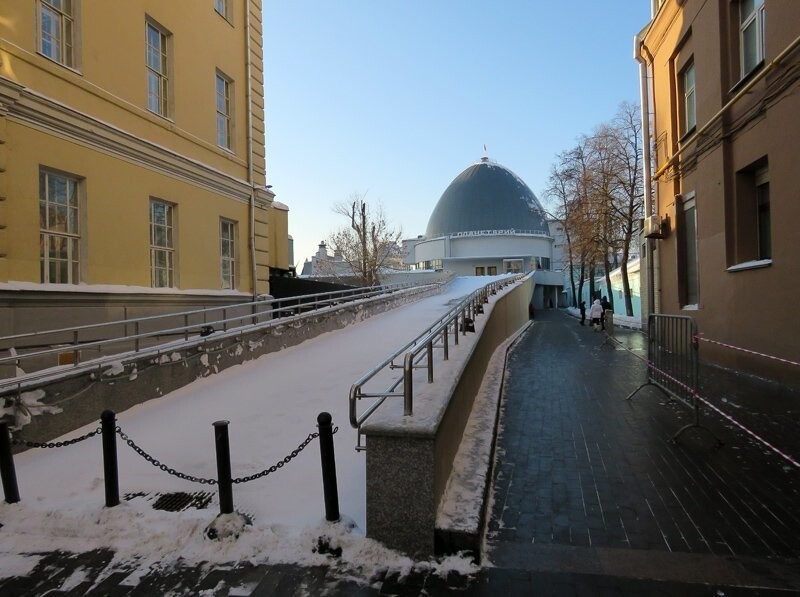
x: 368, y: 241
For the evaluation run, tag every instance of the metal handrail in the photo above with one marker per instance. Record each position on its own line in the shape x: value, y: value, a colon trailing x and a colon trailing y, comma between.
x: 259, y: 303
x: 333, y: 300
x: 420, y: 349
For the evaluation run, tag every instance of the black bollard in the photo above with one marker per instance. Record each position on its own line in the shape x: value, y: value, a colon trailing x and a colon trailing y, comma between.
x: 7, y: 471
x: 328, y: 467
x: 223, y: 467
x: 108, y: 424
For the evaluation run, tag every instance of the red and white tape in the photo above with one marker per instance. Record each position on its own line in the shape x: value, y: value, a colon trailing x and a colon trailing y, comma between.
x: 747, y: 350
x: 726, y: 416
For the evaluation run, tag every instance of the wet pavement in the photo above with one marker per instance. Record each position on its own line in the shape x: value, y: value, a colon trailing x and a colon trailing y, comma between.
x: 590, y: 497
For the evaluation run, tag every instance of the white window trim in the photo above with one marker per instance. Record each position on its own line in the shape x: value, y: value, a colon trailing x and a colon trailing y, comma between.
x: 229, y: 115
x: 74, y: 237
x: 758, y: 15
x: 754, y: 264
x: 232, y: 258
x: 168, y: 249
x: 73, y: 18
x: 164, y: 81
x: 687, y: 127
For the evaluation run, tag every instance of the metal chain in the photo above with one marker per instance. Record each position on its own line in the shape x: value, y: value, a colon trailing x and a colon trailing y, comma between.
x: 281, y: 463
x: 66, y: 442
x: 158, y: 464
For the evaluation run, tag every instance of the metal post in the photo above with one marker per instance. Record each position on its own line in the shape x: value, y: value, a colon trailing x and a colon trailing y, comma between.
x: 455, y: 329
x: 110, y: 466
x: 328, y: 460
x: 223, y: 467
x: 136, y: 333
x: 224, y: 320
x: 444, y: 344
x: 464, y: 322
x: 186, y: 327
x: 408, y: 384
x: 430, y: 361
x: 75, y: 345
x: 7, y: 471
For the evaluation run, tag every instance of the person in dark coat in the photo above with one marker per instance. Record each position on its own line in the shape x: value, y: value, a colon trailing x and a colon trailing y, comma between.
x: 606, y: 306
x: 583, y: 311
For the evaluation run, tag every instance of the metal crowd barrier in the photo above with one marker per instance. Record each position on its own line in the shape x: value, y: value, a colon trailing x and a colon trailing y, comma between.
x: 672, y: 363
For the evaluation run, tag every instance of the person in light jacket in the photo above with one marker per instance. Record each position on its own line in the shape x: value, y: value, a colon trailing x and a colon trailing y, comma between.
x: 596, y: 313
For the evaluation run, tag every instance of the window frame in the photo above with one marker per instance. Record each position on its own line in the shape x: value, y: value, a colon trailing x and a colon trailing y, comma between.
x: 687, y: 203
x: 226, y: 12
x: 162, y: 76
x: 231, y: 258
x: 757, y: 17
x: 745, y: 220
x: 226, y: 116
x: 67, y: 21
x: 687, y: 92
x: 762, y: 185
x: 167, y: 249
x: 72, y: 234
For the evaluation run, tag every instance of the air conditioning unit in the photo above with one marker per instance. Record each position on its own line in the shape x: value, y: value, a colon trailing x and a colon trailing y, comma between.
x: 652, y: 227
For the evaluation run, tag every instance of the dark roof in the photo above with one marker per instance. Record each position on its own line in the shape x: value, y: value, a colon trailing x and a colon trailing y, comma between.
x: 486, y: 196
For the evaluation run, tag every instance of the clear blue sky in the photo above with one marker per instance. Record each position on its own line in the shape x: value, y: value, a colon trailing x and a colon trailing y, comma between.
x: 397, y: 98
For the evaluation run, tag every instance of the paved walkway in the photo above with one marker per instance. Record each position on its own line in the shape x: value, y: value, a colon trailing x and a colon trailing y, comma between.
x: 588, y: 482
x: 590, y: 497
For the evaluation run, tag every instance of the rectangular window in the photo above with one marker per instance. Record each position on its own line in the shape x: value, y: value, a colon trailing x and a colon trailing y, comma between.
x: 751, y: 35
x: 157, y: 71
x: 689, y: 102
x: 57, y: 31
x: 222, y: 7
x: 749, y: 220
x: 687, y: 251
x: 492, y: 270
x: 763, y: 214
x: 227, y: 250
x: 223, y: 92
x: 162, y: 244
x: 59, y: 228
x: 479, y: 270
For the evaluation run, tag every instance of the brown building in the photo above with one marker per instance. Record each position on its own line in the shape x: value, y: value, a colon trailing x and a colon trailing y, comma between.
x: 721, y: 119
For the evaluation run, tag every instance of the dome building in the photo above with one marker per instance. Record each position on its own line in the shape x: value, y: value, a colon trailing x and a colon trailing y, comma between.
x: 488, y: 222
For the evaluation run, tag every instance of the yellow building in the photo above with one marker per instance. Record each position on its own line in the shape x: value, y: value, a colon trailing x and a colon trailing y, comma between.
x: 131, y: 156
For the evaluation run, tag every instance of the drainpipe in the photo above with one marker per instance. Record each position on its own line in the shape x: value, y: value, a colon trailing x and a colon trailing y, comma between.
x: 251, y: 240
x: 644, y: 95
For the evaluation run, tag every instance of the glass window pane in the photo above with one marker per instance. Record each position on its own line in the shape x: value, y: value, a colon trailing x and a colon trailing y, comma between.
x: 746, y: 8
x: 750, y: 47
x: 691, y: 116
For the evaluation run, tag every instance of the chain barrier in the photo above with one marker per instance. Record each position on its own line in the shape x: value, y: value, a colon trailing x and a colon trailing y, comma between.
x: 61, y: 444
x: 280, y: 464
x: 161, y: 466
x: 158, y: 464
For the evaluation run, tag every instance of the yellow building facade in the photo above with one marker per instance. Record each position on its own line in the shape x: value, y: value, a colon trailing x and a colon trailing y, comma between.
x: 132, y: 150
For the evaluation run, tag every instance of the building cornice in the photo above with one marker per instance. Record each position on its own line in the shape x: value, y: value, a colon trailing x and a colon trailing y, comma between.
x: 27, y: 107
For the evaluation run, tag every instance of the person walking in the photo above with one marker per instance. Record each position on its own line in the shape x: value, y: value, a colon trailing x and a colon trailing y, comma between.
x: 606, y: 307
x: 596, y: 313
x: 583, y: 311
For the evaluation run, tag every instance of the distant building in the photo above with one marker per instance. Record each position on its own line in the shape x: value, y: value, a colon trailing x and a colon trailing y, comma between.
x: 489, y: 222
x: 721, y: 98
x: 132, y: 170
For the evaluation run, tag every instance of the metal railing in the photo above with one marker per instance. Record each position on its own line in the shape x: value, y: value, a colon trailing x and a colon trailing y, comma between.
x: 419, y: 354
x: 672, y: 363
x: 133, y: 338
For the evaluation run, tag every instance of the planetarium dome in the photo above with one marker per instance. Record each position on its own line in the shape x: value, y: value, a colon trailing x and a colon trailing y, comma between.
x: 485, y: 197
